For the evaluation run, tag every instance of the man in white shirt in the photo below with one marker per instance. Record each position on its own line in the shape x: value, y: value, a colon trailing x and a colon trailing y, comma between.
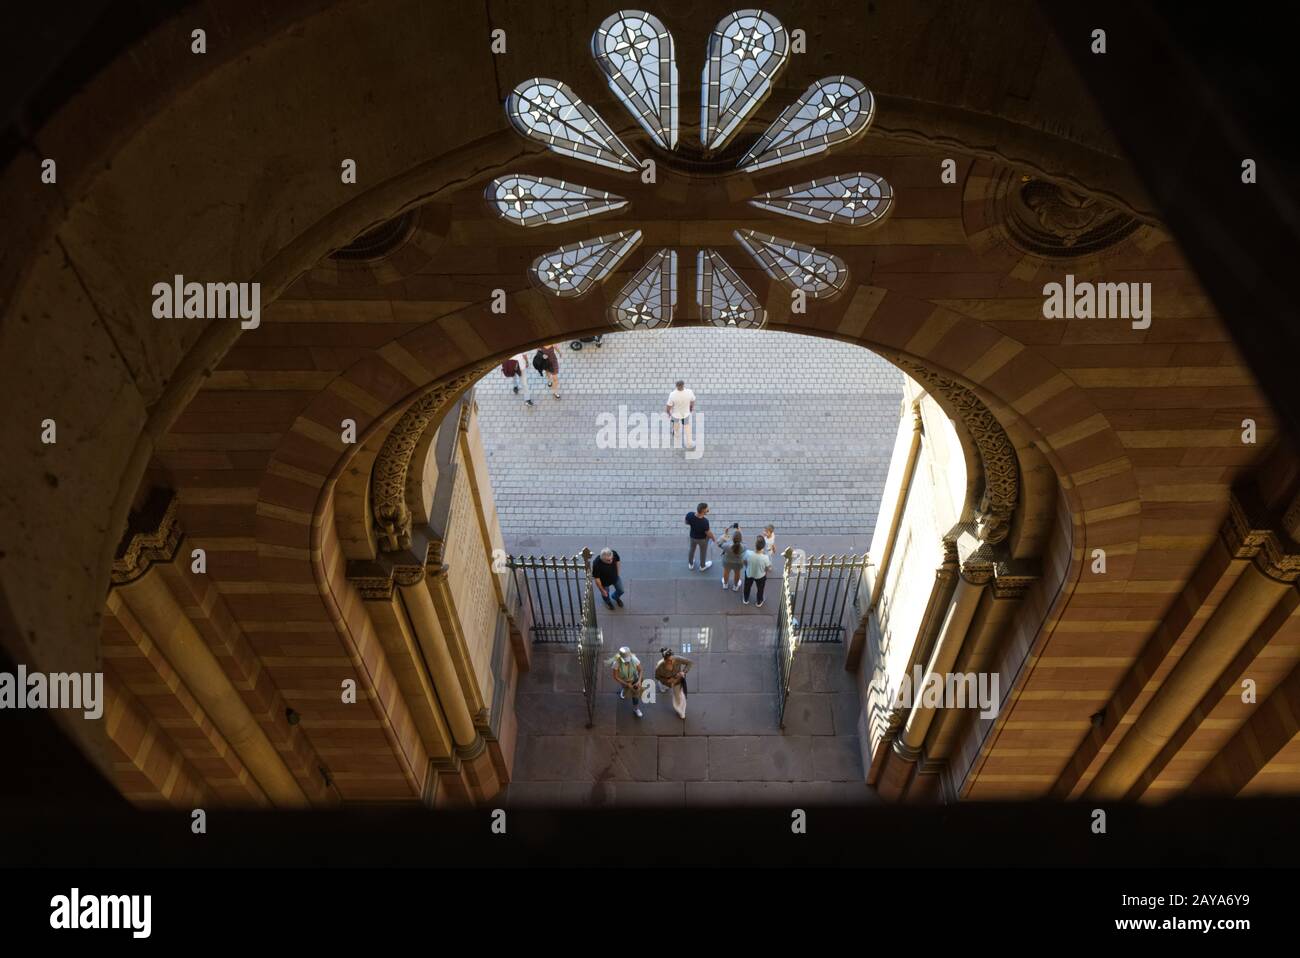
x: 681, y: 403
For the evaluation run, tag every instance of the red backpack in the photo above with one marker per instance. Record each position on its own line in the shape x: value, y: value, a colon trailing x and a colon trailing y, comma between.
x: 510, y: 368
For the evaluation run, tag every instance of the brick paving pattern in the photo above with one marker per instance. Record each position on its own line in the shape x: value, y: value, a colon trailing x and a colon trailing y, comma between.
x: 792, y: 430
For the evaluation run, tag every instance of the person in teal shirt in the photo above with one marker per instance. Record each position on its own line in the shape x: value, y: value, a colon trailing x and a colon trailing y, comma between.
x: 757, y: 563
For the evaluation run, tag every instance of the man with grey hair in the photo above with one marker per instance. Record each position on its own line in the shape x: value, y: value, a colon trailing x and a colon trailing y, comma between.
x: 607, y: 571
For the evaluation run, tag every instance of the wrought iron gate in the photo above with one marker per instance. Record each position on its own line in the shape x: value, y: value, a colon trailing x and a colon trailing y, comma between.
x: 554, y: 589
x: 824, y: 591
x: 561, y: 604
x: 817, y: 604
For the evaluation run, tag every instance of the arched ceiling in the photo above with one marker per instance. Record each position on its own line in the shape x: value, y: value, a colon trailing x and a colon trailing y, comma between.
x: 228, y: 170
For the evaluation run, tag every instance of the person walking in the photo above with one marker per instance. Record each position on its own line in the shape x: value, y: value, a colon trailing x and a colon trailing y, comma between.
x: 516, y: 369
x: 547, y: 362
x: 681, y: 403
x: 757, y: 563
x: 732, y: 546
x: 628, y: 673
x: 671, y: 671
x: 606, y: 571
x: 700, y: 536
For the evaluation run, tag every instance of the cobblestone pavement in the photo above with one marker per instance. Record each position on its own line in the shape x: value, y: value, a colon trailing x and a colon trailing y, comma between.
x: 789, y: 429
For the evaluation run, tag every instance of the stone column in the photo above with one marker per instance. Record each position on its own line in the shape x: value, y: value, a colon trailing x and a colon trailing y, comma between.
x: 976, y: 570
x: 156, y: 609
x: 424, y: 617
x: 1270, y: 572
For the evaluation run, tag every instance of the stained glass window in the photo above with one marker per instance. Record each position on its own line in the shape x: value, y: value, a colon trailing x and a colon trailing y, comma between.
x: 833, y: 110
x: 534, y: 200
x: 550, y: 112
x: 853, y: 199
x: 746, y: 51
x: 635, y: 52
x: 797, y: 266
x: 724, y: 298
x: 649, y: 298
x: 575, y: 268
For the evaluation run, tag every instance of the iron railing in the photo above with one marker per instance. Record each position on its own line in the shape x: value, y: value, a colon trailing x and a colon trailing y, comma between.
x: 824, y: 592
x: 787, y: 642
x: 554, y: 587
x: 561, y: 602
x: 589, y: 643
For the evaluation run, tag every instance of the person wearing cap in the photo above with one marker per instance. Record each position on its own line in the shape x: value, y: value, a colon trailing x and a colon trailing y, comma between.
x: 628, y: 674
x: 671, y: 671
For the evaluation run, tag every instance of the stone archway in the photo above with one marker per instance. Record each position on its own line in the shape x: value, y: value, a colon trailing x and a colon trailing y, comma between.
x: 1140, y: 431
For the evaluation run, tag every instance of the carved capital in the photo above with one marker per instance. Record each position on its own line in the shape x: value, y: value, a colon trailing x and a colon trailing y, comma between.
x: 1248, y: 535
x: 373, y: 588
x: 375, y: 579
x: 153, y: 535
x: 1013, y: 577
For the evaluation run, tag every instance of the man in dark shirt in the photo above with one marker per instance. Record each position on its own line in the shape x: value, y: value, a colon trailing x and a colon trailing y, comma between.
x: 700, y: 536
x: 607, y: 573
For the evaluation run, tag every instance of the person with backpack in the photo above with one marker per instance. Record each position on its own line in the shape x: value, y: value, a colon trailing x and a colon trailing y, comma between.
x: 700, y: 536
x: 516, y: 368
x: 547, y: 362
x: 756, y: 565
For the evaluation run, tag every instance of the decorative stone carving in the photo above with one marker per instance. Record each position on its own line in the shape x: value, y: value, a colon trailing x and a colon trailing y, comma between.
x: 1013, y: 577
x: 1051, y: 220
x: 375, y: 580
x: 144, y: 547
x: 1246, y: 537
x: 1045, y: 219
x: 997, y: 456
x: 392, y: 516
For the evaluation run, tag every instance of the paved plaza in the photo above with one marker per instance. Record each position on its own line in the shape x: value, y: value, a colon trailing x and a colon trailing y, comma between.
x: 791, y: 429
x: 797, y: 431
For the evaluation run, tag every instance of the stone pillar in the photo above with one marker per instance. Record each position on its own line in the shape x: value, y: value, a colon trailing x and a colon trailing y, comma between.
x: 976, y: 571
x: 156, y: 609
x: 1269, y: 574
x: 951, y: 635
x: 471, y: 748
x: 424, y: 618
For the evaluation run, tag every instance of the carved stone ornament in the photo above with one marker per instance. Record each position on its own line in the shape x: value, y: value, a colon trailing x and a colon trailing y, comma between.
x: 997, y: 456
x: 1246, y: 538
x: 145, y: 547
x: 391, y: 515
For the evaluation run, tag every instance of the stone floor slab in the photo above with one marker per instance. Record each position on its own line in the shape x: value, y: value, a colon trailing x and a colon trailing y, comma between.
x: 684, y: 759
x: 761, y: 758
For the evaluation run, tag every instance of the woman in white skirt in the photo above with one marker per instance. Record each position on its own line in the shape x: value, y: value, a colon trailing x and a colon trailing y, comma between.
x: 671, y: 671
